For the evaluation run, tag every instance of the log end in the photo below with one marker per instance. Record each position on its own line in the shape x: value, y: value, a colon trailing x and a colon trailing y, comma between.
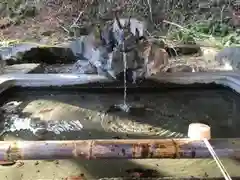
x: 199, y: 131
x: 7, y: 163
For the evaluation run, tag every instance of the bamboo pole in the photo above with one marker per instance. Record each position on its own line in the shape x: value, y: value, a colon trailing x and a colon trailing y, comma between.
x: 169, y: 178
x: 117, y: 149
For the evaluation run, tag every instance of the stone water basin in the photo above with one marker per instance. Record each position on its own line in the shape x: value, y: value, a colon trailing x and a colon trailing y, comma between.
x: 81, y: 112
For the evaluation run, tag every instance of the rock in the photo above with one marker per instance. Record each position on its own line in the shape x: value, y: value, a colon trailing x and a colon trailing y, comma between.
x: 84, y: 67
x: 134, y: 24
x: 47, y: 33
x: 236, y: 18
x: 36, y: 53
x: 218, y: 3
x: 102, y: 57
x: 91, y: 59
x: 111, y: 32
x: 57, y: 68
x: 184, y: 49
x: 100, y: 49
x: 29, y: 11
x: 23, y: 68
x: 204, y: 5
x: 5, y: 22
x: 117, y: 61
x: 189, y: 50
x: 155, y: 58
x: 40, y: 132
x: 130, y: 76
x: 13, y: 51
x: 48, y: 55
x: 209, y: 53
x: 82, y: 47
x: 3, y: 9
x: 105, y: 55
x: 180, y: 68
x: 160, y: 60
x: 229, y: 56
x: 80, y: 30
x: 108, y: 37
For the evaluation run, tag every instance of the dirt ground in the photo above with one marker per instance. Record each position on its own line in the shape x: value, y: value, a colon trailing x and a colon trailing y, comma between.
x: 44, y: 25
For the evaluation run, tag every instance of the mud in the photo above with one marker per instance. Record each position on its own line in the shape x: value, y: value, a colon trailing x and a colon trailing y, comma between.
x: 67, y: 114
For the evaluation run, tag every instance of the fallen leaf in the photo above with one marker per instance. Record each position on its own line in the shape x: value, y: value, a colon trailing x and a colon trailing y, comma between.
x: 20, y: 164
x: 45, y: 110
x: 74, y: 178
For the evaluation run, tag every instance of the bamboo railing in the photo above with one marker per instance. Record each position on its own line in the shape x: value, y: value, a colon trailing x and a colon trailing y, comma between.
x: 117, y: 149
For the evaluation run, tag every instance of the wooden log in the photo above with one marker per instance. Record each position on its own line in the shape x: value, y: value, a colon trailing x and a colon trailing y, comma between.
x: 117, y: 149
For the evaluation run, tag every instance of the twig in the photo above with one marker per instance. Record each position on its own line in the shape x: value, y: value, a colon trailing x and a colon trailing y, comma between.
x: 222, y: 13
x: 175, y: 24
x: 75, y: 22
x: 65, y: 29
x: 150, y: 9
x: 191, y: 46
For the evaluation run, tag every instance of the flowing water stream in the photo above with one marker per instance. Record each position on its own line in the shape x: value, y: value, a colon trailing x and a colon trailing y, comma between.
x: 125, y: 106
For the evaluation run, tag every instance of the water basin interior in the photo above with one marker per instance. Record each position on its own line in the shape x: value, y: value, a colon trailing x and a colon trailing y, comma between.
x: 162, y: 111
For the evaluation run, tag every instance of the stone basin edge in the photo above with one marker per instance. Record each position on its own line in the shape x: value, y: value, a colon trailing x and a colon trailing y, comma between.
x: 229, y: 79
